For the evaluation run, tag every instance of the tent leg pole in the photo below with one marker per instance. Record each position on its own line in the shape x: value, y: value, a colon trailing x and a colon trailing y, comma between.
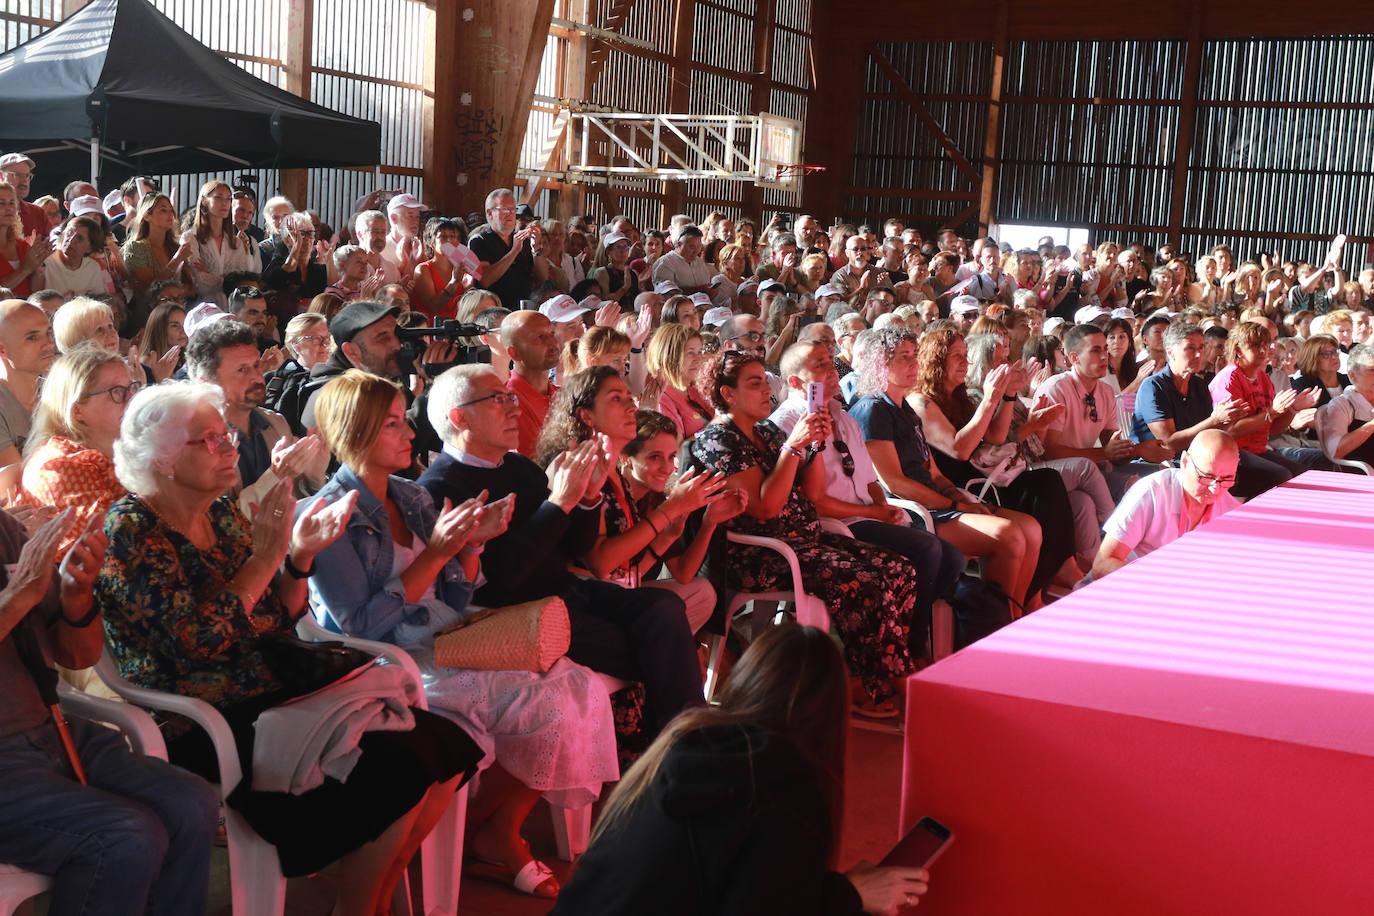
x: 95, y: 160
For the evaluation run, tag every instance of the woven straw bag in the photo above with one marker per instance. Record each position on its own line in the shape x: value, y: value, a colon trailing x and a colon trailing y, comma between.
x: 522, y: 637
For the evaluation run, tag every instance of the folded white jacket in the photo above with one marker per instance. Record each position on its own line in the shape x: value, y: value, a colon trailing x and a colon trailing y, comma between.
x: 300, y: 742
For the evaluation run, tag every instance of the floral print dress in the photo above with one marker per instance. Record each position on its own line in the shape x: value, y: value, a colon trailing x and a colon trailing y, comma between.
x: 869, y: 592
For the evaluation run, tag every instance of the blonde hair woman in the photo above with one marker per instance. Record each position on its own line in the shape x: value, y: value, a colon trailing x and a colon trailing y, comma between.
x: 673, y: 360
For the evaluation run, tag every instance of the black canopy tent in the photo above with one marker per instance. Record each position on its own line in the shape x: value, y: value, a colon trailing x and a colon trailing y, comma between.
x: 120, y: 86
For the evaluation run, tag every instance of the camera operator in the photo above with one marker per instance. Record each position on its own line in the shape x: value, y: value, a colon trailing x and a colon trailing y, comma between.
x: 365, y: 337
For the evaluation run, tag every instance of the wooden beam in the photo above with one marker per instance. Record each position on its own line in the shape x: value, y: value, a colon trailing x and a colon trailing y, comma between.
x: 679, y: 93
x: 992, y: 140
x: 764, y: 13
x: 914, y: 194
x: 1187, y: 123
x: 577, y: 82
x: 925, y: 116
x: 300, y: 27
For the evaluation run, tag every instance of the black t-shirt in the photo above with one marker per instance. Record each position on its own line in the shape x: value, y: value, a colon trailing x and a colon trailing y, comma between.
x: 515, y: 284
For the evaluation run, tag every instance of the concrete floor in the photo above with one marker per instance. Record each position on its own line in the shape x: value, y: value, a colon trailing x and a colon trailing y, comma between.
x: 873, y: 791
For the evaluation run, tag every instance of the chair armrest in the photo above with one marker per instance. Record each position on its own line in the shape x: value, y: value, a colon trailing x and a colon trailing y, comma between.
x: 1361, y: 466
x: 835, y: 526
x: 911, y: 505
x: 198, y: 711
x: 776, y: 545
x: 136, y: 724
x: 308, y: 628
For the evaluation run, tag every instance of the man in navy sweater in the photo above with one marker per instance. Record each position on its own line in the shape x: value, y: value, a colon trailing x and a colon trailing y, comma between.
x: 637, y: 634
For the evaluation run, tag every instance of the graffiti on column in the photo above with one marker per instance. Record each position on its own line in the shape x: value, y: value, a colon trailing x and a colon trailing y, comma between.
x: 475, y: 134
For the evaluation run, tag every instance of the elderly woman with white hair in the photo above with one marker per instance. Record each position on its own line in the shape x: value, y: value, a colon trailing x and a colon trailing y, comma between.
x: 194, y: 597
x: 295, y: 271
x: 1345, y: 424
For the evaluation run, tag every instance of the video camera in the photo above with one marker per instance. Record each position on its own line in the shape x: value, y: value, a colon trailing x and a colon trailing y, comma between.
x: 414, y: 342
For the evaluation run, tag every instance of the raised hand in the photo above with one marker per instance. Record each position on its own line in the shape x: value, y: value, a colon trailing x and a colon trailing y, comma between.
x: 494, y: 519
x: 454, y: 525
x: 568, y: 473
x: 32, y: 575
x: 319, y: 526
x: 272, y: 522
x: 608, y: 314
x: 691, y: 492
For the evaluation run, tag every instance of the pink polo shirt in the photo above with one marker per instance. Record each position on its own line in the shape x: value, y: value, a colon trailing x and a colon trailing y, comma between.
x: 1258, y: 393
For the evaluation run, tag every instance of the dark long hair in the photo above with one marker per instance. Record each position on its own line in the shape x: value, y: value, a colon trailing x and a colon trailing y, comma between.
x: 932, y: 355
x: 790, y: 682
x: 1129, y: 367
x: 563, y: 428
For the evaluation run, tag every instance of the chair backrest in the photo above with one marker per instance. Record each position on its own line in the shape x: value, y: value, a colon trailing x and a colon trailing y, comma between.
x: 1125, y: 409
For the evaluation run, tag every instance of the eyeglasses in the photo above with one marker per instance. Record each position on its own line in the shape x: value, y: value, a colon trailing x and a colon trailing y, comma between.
x: 310, y: 338
x: 171, y: 300
x: 1212, y: 481
x: 502, y: 399
x: 846, y: 457
x: 751, y: 336
x: 1328, y: 354
x: 247, y: 292
x: 118, y: 393
x: 214, y: 442
x: 503, y: 209
x: 1091, y: 400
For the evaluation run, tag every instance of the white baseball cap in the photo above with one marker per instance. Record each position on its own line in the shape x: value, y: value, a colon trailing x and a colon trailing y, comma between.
x: 615, y: 238
x: 748, y: 286
x: 111, y: 199
x: 1123, y: 313
x: 666, y: 288
x: 403, y: 200
x: 717, y: 316
x: 562, y: 308
x: 702, y: 300
x: 962, y: 304
x: 10, y: 159
x: 1050, y: 324
x: 86, y: 203
x: 203, y: 315
x: 829, y: 289
x: 1089, y: 313
x: 766, y: 285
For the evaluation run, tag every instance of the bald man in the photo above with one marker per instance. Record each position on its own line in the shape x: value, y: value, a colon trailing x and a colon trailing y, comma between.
x: 27, y: 350
x: 533, y: 346
x: 1168, y: 504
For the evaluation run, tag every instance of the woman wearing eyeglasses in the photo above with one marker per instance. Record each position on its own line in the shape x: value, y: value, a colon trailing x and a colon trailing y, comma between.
x: 1319, y: 364
x: 69, y: 453
x: 193, y: 594
x: 217, y: 247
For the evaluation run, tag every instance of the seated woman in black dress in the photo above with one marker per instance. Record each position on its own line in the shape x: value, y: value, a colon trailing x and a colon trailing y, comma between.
x: 191, y: 592
x: 736, y: 808
x: 869, y: 592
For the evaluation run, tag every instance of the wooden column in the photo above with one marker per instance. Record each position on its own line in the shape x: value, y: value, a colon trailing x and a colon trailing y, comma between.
x: 679, y: 94
x: 486, y: 62
x: 572, y: 200
x: 300, y: 19
x: 1187, y: 124
x: 761, y: 94
x: 832, y: 120
x: 992, y: 143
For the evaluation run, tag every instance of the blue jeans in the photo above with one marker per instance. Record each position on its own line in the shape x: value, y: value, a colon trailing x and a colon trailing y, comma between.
x: 136, y: 839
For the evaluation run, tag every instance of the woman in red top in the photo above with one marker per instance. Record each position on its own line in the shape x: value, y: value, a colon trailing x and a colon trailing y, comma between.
x: 21, y: 260
x: 439, y: 283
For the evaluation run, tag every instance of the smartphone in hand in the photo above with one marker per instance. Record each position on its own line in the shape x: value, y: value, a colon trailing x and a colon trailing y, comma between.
x: 921, y: 846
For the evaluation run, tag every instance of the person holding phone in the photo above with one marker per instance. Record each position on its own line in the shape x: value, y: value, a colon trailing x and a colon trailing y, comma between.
x: 736, y: 808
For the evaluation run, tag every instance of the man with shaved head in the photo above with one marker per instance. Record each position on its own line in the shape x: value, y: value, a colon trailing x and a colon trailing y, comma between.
x: 1168, y: 504
x: 27, y: 350
x: 533, y: 346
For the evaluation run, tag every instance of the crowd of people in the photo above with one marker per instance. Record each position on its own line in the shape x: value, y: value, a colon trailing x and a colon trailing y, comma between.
x: 209, y: 428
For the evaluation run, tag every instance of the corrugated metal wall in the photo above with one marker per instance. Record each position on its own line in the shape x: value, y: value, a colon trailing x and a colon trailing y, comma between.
x: 1283, y: 141
x: 367, y: 61
x: 643, y: 80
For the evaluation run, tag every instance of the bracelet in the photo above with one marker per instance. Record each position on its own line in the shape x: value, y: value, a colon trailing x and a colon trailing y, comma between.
x: 1009, y: 398
x: 296, y: 572
x: 636, y: 349
x: 84, y: 621
x: 650, y: 519
x: 654, y: 553
x: 794, y: 451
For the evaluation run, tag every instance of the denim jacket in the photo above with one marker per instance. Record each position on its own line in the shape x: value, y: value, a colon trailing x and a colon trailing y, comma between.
x: 353, y: 575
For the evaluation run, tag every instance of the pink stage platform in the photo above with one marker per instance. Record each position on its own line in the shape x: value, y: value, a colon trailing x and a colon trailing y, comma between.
x: 1192, y: 735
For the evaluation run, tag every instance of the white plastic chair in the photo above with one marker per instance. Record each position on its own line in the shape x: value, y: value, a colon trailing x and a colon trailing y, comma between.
x: 17, y: 886
x: 1361, y: 466
x: 571, y: 826
x: 811, y: 610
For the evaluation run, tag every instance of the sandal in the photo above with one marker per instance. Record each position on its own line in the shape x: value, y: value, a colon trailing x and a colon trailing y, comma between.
x: 534, y: 878
x: 874, y: 709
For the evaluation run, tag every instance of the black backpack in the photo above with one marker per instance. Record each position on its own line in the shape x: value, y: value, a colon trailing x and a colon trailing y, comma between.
x: 288, y: 390
x: 980, y: 607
